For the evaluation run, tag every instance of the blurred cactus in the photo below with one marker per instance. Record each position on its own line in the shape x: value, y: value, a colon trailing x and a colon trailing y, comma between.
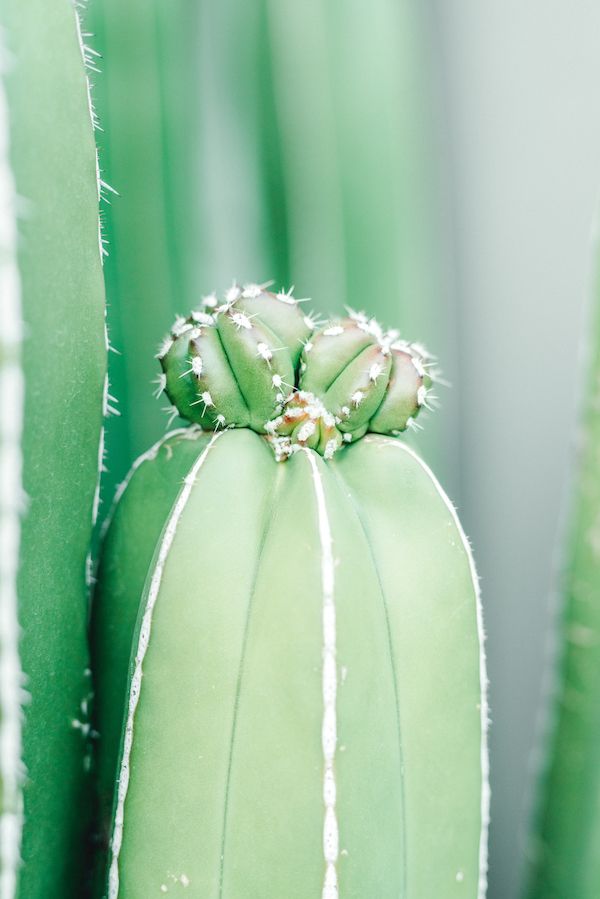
x: 11, y: 507
x: 52, y: 371
x: 288, y: 656
x: 564, y: 849
x: 261, y: 145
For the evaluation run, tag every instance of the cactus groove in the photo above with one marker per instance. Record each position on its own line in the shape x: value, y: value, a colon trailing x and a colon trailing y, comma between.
x: 302, y: 711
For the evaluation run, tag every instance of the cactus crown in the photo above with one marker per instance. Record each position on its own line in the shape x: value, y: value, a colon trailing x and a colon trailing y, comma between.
x: 258, y: 361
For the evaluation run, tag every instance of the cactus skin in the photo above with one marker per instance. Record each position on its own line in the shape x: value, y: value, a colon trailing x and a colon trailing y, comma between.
x: 288, y: 602
x: 63, y: 361
x: 564, y: 850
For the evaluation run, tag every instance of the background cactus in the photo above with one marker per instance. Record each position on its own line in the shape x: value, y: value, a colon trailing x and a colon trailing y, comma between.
x: 294, y: 705
x: 564, y: 849
x: 11, y: 502
x: 242, y: 161
x: 52, y: 293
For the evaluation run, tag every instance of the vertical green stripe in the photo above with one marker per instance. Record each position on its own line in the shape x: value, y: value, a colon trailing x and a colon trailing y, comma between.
x: 54, y: 163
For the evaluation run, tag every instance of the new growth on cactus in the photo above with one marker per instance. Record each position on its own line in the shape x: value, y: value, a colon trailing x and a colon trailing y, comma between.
x: 257, y: 360
x: 289, y: 670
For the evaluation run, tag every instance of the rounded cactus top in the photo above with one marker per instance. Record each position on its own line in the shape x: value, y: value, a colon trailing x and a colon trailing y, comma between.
x: 258, y: 360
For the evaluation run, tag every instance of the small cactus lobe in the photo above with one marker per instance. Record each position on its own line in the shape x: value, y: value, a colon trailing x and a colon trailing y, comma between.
x: 257, y: 360
x: 232, y: 364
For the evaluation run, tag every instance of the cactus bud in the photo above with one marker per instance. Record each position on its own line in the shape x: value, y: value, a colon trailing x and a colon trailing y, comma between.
x: 304, y: 422
x: 253, y: 361
x: 232, y: 365
x: 367, y: 378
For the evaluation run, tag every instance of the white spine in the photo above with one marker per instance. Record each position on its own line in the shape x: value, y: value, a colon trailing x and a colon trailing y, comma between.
x: 329, y: 686
x: 12, y: 390
x: 142, y: 647
x: 86, y: 57
x: 484, y: 755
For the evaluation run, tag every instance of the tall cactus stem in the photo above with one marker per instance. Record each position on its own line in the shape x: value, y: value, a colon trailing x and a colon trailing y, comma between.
x: 142, y: 646
x: 12, y: 390
x: 347, y: 695
x: 58, y: 257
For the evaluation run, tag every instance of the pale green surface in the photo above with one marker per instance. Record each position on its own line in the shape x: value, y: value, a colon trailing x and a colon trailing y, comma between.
x: 430, y: 604
x: 564, y: 850
x: 227, y: 759
x: 53, y: 158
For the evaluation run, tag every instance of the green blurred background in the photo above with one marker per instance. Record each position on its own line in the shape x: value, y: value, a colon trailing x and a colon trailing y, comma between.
x: 434, y: 162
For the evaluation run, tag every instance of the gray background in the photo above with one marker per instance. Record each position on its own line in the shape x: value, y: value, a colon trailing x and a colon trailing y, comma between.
x: 518, y: 84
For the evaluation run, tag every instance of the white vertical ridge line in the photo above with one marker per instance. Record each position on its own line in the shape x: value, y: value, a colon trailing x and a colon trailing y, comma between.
x: 142, y: 648
x: 188, y: 432
x: 484, y: 754
x: 331, y: 838
x: 12, y: 394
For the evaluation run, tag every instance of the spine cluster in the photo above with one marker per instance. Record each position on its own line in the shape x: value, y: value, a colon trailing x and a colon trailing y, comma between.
x: 257, y: 360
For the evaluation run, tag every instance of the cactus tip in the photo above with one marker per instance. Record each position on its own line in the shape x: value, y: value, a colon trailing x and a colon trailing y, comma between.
x: 373, y: 381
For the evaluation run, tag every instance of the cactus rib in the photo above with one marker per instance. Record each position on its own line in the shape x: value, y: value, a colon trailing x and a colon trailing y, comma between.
x: 142, y: 646
x: 331, y: 836
x: 485, y: 716
x: 12, y: 388
x: 271, y: 504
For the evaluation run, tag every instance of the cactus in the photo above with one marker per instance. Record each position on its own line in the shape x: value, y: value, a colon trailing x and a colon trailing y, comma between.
x: 288, y: 654
x: 51, y: 390
x: 564, y: 850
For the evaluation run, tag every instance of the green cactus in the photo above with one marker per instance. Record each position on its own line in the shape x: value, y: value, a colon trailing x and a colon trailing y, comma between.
x: 564, y: 849
x: 288, y: 655
x: 51, y: 409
